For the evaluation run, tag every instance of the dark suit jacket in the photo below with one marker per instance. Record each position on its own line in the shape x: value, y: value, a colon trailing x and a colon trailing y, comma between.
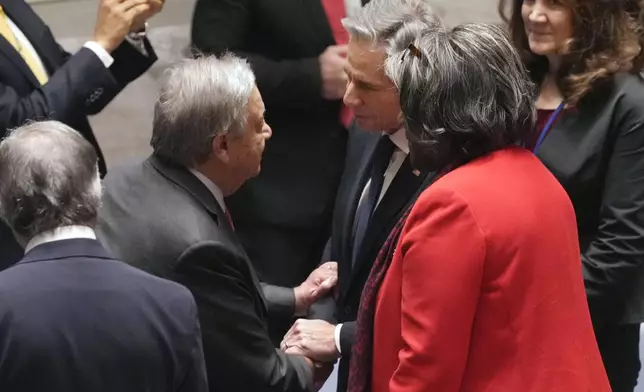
x: 302, y: 163
x: 352, y: 274
x: 79, y: 85
x: 161, y: 218
x: 596, y: 151
x: 74, y: 319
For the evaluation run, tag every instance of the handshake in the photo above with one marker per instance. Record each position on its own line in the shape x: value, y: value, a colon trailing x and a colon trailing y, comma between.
x: 314, y: 339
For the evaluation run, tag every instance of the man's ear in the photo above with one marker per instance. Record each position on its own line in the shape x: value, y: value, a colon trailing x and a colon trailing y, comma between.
x: 220, y: 148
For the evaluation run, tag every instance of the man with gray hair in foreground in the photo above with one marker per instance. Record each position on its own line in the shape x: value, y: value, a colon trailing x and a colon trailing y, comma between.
x: 72, y: 318
x: 167, y: 215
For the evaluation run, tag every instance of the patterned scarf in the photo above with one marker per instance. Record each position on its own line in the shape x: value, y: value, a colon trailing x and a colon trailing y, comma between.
x: 362, y: 350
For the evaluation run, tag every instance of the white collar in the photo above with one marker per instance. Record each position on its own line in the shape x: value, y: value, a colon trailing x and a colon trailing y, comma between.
x: 60, y: 233
x: 212, y: 187
x: 400, y: 140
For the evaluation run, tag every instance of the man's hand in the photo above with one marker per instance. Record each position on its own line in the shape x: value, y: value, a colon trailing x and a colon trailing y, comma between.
x: 313, y: 338
x: 115, y: 20
x: 334, y: 79
x: 139, y: 22
x: 321, y: 281
x: 321, y: 371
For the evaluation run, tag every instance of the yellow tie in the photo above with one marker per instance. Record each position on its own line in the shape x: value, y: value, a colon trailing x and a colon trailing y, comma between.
x: 5, y: 31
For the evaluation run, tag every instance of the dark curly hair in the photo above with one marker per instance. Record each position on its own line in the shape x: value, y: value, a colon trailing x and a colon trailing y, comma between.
x: 464, y: 93
x: 608, y: 39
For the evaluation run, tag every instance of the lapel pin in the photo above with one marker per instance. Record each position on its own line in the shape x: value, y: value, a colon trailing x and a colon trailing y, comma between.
x: 416, y: 173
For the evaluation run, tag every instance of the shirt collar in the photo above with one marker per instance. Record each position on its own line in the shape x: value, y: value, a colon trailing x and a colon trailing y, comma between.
x: 400, y: 140
x: 212, y: 187
x: 60, y: 233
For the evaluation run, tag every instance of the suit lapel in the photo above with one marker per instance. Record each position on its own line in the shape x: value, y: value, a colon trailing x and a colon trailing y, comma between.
x: 191, y: 184
x: 399, y: 194
x: 8, y: 51
x: 362, y: 176
x: 33, y: 29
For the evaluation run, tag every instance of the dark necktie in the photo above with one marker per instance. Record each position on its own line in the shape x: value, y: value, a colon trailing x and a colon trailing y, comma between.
x: 379, y: 163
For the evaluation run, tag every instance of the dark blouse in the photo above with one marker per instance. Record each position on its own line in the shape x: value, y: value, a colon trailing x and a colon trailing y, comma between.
x: 596, y: 151
x: 542, y: 118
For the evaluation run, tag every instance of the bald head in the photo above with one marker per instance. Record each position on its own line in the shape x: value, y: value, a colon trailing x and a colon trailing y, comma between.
x: 48, y: 179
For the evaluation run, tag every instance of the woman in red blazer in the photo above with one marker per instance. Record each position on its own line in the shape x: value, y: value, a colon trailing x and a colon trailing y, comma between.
x: 479, y: 288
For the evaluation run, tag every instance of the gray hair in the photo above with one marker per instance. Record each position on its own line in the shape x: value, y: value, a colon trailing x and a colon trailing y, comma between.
x: 379, y: 21
x: 201, y: 98
x: 48, y: 179
x: 463, y: 93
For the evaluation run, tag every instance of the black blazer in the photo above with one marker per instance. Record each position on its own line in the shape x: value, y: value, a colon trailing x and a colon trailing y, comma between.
x: 74, y: 319
x: 302, y: 163
x: 161, y: 218
x: 353, y: 274
x: 596, y: 151
x: 78, y: 85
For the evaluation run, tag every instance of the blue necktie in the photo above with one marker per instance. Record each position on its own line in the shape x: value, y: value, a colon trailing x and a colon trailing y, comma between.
x: 379, y: 163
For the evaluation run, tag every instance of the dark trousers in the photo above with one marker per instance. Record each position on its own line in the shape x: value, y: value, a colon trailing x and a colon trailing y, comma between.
x: 619, y: 347
x: 283, y: 257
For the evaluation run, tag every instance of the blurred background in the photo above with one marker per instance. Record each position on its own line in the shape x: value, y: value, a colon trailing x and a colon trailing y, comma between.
x: 123, y: 128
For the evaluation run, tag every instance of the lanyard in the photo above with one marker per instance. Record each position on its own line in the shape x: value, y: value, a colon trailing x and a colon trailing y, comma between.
x: 544, y: 131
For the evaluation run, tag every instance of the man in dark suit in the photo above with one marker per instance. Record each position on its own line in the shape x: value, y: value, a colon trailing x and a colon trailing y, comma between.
x: 39, y: 80
x: 168, y: 216
x: 297, y: 50
x: 377, y: 185
x: 72, y: 318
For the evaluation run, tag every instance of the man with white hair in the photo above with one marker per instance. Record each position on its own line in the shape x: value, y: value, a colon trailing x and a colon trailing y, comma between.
x: 378, y: 183
x: 72, y: 318
x: 167, y: 216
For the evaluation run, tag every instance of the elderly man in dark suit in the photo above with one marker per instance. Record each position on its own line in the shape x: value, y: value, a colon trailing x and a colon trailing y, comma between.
x: 298, y: 51
x: 167, y: 216
x: 72, y: 318
x: 39, y: 80
x: 378, y: 183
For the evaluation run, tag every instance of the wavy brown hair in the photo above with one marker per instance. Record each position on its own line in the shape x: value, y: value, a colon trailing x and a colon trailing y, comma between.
x: 608, y: 39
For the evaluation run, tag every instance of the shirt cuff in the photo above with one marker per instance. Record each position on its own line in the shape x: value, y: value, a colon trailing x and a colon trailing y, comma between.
x: 100, y: 52
x: 138, y: 44
x: 336, y: 337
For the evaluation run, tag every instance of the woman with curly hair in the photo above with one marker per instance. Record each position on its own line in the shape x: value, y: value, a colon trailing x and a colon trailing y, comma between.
x: 586, y: 57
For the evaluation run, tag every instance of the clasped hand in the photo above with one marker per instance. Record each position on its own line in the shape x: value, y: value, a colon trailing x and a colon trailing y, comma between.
x: 319, y: 283
x: 313, y: 339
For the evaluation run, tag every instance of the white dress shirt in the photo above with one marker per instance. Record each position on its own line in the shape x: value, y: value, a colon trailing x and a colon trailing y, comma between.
x: 212, y: 187
x: 401, y: 151
x: 61, y: 233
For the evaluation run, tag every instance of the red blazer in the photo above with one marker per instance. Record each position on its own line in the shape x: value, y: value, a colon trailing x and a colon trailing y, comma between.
x: 485, y: 291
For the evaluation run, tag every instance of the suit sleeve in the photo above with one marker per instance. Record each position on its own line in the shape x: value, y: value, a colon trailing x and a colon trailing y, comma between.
x: 219, y: 26
x: 67, y: 92
x: 239, y: 354
x: 279, y: 300
x: 437, y: 313
x: 195, y: 379
x: 82, y: 85
x: 347, y: 337
x: 128, y: 65
x: 613, y: 260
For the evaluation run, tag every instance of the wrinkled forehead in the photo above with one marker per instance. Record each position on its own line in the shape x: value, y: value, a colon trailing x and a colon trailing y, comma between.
x: 365, y: 62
